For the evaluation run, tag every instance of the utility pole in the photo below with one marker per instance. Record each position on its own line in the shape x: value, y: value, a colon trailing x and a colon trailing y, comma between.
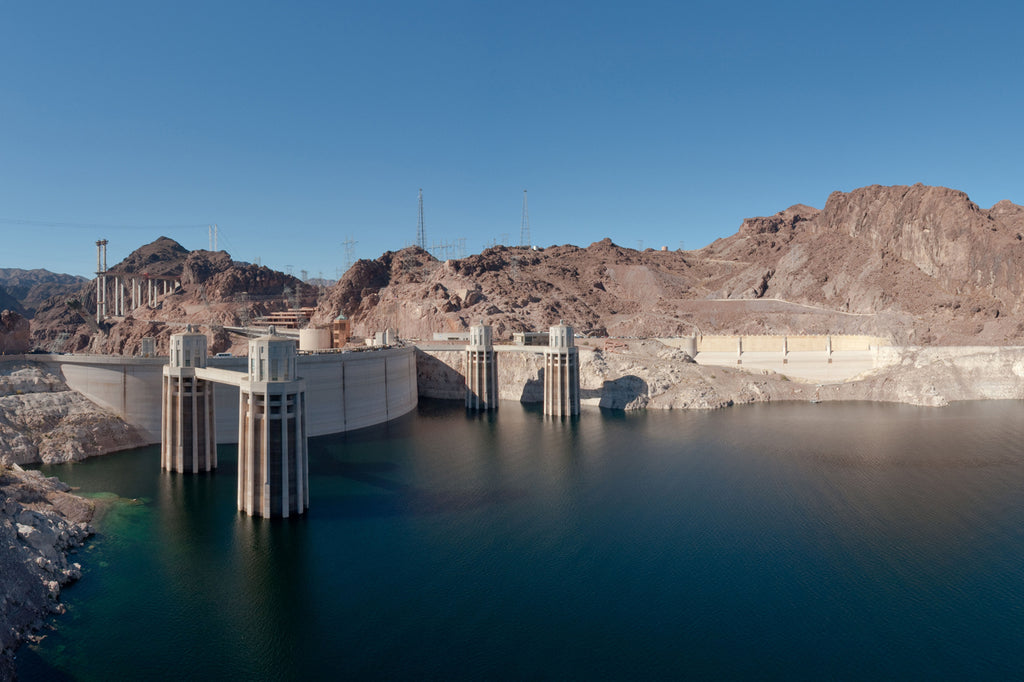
x: 421, y: 233
x: 524, y: 230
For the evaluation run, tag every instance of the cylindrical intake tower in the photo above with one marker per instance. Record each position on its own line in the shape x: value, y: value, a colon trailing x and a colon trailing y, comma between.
x: 481, y: 370
x: 561, y: 373
x: 273, y: 460
x: 189, y: 439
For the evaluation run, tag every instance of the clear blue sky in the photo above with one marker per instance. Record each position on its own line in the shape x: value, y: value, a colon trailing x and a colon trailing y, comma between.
x: 295, y: 125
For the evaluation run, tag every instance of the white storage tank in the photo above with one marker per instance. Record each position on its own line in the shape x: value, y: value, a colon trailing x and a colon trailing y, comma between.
x: 315, y: 338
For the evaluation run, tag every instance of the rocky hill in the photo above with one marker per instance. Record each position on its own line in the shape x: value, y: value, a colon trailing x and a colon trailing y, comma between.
x: 215, y: 291
x: 24, y: 291
x: 919, y: 264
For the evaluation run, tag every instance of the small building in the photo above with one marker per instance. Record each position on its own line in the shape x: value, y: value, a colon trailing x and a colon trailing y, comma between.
x: 288, y: 319
x: 388, y: 337
x: 530, y: 338
x: 341, y: 331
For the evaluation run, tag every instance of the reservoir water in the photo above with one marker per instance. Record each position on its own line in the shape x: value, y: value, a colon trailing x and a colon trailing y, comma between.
x: 841, y: 541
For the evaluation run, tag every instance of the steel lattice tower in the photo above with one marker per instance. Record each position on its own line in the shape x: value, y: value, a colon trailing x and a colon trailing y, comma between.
x: 421, y: 234
x: 524, y: 229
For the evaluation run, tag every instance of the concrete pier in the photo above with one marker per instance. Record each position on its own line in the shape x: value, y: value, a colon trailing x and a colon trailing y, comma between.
x: 188, y: 422
x: 273, y: 458
x: 481, y: 370
x: 561, y: 373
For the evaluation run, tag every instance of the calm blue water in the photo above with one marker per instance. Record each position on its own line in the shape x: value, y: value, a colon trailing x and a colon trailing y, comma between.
x: 844, y: 541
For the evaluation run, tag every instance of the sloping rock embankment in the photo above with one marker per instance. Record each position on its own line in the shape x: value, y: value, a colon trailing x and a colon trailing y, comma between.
x: 41, y: 522
x: 42, y: 420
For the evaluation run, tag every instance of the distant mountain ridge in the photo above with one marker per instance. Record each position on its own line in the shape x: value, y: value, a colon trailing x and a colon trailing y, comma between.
x: 29, y: 288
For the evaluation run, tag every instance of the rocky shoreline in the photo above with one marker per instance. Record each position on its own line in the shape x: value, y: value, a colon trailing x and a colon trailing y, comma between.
x: 41, y: 524
x: 650, y: 375
x: 41, y: 521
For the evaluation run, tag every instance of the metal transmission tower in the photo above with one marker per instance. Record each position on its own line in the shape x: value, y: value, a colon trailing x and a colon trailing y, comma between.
x: 524, y: 230
x: 421, y: 234
x: 350, y: 252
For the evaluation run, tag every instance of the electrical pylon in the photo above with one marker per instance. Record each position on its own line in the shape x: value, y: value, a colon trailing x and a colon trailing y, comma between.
x: 524, y: 230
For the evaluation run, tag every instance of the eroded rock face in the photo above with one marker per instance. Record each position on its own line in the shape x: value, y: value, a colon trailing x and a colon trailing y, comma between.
x: 15, y: 333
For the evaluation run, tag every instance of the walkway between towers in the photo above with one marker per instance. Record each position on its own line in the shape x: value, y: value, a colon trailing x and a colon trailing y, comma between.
x: 273, y: 455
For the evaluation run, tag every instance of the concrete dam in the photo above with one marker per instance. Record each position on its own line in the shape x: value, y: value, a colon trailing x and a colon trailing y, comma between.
x: 344, y: 391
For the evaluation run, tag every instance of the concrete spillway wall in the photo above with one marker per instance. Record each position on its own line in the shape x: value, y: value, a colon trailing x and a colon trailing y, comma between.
x: 344, y: 391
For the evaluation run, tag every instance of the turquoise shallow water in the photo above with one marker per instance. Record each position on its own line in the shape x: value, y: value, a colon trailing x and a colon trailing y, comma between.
x: 843, y: 541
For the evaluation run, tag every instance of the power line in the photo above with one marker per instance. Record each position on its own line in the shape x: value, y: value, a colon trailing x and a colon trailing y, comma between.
x: 95, y: 226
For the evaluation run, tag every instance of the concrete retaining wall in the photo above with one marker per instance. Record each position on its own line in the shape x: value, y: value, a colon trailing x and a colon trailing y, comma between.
x: 344, y: 391
x: 729, y: 343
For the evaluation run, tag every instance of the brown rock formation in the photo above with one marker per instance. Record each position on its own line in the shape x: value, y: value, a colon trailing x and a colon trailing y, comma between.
x: 918, y: 264
x: 15, y: 334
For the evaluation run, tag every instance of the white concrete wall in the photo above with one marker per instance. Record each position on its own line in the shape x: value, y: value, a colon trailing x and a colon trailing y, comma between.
x: 128, y: 386
x: 344, y: 391
x: 770, y: 343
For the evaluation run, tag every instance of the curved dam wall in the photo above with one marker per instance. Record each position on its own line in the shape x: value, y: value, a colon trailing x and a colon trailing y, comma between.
x: 344, y: 391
